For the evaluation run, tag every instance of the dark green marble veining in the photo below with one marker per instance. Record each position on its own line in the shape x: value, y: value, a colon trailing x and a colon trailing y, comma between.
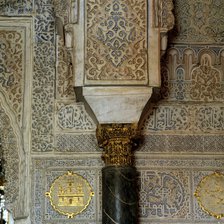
x: 120, y: 195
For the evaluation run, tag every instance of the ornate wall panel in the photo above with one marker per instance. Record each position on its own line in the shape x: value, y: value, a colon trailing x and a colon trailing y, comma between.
x: 46, y: 170
x: 15, y: 160
x: 168, y: 197
x: 43, y: 77
x: 12, y: 45
x: 198, y: 21
x: 43, y: 97
x: 79, y: 142
x: 11, y: 154
x: 185, y: 118
x: 15, y: 100
x: 193, y: 74
x: 167, y: 188
x: 16, y: 7
x: 120, y: 54
x: 186, y: 115
x: 179, y: 143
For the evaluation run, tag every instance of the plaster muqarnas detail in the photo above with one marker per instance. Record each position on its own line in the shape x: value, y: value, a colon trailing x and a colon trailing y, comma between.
x: 189, y: 101
x: 193, y: 74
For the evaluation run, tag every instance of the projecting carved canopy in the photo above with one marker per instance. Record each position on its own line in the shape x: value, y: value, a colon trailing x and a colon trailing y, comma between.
x: 117, y: 44
x: 121, y: 43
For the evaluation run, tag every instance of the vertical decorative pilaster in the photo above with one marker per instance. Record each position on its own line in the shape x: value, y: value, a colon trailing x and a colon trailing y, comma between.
x: 119, y: 193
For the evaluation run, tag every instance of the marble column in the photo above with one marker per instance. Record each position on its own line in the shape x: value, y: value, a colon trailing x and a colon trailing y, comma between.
x: 119, y: 176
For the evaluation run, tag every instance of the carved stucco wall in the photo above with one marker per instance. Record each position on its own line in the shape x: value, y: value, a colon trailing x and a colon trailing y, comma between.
x: 183, y: 124
x: 15, y: 103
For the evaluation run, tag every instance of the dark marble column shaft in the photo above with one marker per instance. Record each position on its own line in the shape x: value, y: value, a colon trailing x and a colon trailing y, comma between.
x: 120, y: 195
x: 119, y: 176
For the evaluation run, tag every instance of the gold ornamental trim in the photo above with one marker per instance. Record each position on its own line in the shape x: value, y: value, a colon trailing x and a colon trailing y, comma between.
x: 70, y: 194
x: 210, y: 194
x: 118, y: 142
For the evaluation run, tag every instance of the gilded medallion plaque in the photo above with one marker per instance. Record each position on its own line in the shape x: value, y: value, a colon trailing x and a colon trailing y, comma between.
x: 70, y: 194
x: 210, y: 194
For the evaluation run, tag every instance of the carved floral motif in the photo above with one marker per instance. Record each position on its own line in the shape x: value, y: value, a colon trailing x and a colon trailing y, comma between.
x: 193, y: 74
x: 116, y: 40
x: 206, y: 81
x: 11, y: 66
x: 11, y: 156
x: 198, y: 21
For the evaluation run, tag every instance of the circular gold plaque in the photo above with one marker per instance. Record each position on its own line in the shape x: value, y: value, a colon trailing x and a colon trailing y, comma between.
x: 210, y: 194
x: 70, y: 194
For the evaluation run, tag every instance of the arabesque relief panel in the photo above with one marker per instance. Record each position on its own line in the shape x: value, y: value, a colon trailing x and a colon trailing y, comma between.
x: 198, y: 22
x: 193, y: 73
x: 12, y: 44
x: 121, y: 53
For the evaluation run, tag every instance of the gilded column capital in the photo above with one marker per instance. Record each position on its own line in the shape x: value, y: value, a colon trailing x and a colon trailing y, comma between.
x: 118, y: 142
